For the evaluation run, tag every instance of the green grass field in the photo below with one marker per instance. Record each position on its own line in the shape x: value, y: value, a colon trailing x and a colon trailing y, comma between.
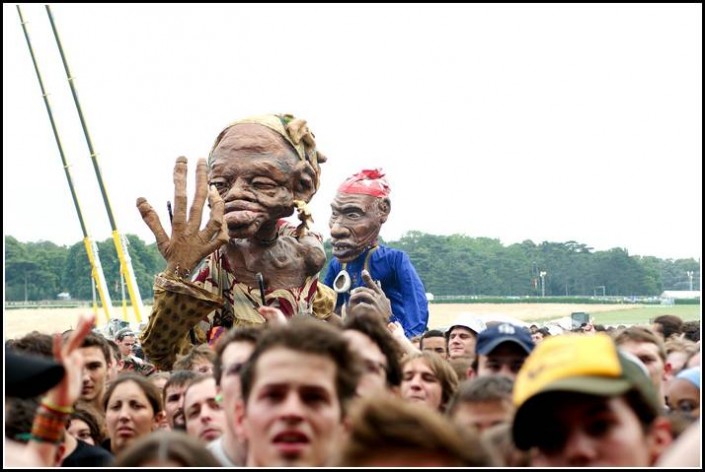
x: 643, y: 315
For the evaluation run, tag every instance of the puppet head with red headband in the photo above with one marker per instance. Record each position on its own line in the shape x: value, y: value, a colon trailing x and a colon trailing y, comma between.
x: 366, y: 182
x: 360, y: 207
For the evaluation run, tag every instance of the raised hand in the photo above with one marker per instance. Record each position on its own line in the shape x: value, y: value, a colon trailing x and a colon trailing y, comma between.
x: 67, y: 392
x: 369, y: 299
x: 188, y: 243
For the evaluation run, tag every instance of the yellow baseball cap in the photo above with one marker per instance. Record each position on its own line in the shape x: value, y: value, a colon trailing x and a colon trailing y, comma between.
x: 575, y: 363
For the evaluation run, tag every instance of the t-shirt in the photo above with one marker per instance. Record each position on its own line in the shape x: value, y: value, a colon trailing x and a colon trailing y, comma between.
x: 86, y: 455
x: 216, y: 448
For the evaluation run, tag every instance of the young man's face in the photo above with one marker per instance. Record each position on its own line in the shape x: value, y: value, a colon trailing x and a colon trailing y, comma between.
x: 461, y: 342
x: 479, y: 415
x: 354, y: 224
x: 435, y: 344
x: 506, y: 359
x: 592, y: 431
x: 374, y: 377
x: 95, y: 371
x: 125, y: 345
x: 232, y: 359
x: 173, y: 403
x: 205, y: 418
x: 647, y: 353
x: 293, y: 417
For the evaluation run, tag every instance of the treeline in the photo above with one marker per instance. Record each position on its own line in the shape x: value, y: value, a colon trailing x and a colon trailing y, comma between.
x: 448, y: 265
x: 42, y: 270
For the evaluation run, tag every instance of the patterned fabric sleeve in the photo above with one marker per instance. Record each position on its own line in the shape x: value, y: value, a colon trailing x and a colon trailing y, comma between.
x: 178, y: 306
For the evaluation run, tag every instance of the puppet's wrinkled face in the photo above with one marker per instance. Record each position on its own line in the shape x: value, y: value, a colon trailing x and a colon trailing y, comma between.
x: 258, y: 175
x: 355, y: 222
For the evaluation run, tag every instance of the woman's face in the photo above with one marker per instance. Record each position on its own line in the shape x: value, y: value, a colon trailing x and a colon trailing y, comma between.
x: 79, y: 429
x: 128, y: 415
x: 684, y: 396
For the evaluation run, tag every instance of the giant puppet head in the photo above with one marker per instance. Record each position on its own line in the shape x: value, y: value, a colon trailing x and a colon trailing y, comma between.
x: 264, y: 167
x: 359, y: 209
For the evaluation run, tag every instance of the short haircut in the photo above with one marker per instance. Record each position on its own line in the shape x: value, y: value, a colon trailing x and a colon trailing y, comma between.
x: 641, y: 334
x: 246, y: 334
x: 124, y: 333
x: 97, y: 340
x: 432, y: 333
x: 178, y: 378
x: 482, y: 389
x: 691, y: 330
x: 670, y: 325
x: 308, y: 336
x: 33, y: 343
x: 380, y: 335
x: 197, y: 353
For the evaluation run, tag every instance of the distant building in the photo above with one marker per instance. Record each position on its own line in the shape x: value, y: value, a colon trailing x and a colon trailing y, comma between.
x: 64, y: 296
x: 668, y: 297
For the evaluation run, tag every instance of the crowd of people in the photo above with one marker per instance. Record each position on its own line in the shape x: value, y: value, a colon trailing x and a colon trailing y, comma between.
x: 249, y: 359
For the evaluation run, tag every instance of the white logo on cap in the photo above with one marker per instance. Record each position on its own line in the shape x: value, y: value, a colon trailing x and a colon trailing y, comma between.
x: 506, y: 329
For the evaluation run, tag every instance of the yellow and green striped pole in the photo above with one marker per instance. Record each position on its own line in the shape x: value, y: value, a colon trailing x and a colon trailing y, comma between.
x: 91, y: 248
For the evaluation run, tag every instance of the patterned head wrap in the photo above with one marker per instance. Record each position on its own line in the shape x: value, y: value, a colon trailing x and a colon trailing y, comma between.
x: 368, y: 182
x: 295, y: 132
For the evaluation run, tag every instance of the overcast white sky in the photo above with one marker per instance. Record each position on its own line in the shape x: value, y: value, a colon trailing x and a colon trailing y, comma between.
x: 516, y: 122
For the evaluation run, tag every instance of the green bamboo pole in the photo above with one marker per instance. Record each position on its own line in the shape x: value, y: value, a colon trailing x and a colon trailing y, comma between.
x: 120, y: 243
x: 91, y: 248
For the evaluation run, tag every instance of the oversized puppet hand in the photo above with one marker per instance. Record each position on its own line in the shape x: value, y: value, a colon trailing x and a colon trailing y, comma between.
x: 369, y: 299
x: 188, y: 243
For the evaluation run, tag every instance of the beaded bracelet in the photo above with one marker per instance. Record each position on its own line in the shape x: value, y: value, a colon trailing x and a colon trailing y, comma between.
x: 48, y: 426
x: 49, y: 405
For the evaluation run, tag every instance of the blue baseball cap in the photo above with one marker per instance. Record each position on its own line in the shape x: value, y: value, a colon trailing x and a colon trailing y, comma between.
x: 497, y: 334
